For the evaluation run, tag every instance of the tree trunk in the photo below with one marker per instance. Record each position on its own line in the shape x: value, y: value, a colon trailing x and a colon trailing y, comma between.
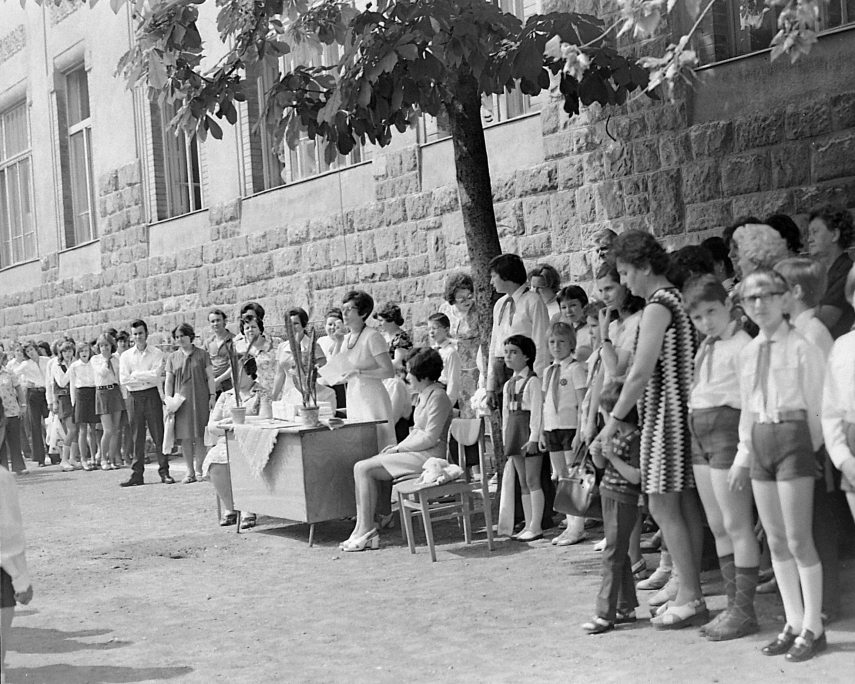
x: 476, y: 205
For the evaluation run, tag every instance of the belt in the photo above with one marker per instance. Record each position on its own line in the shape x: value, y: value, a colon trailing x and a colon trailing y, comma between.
x: 147, y: 389
x: 106, y: 387
x: 781, y: 416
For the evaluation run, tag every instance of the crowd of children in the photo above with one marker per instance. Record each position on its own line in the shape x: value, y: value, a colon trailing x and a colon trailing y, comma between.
x: 730, y: 391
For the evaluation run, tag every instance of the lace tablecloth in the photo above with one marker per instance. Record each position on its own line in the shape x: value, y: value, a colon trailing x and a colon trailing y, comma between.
x: 256, y: 443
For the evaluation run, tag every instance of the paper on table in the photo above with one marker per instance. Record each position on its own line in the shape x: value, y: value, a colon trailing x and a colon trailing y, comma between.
x: 335, y: 369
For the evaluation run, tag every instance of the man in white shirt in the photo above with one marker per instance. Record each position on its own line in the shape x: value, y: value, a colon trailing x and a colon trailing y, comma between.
x: 519, y: 312
x: 141, y: 375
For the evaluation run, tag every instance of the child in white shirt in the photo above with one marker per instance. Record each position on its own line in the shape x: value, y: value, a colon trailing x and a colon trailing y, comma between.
x: 438, y: 331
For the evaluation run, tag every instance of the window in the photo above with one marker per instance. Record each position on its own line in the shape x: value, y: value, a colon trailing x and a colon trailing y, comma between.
x: 17, y: 223
x: 76, y: 152
x: 740, y: 27
x: 308, y: 158
x: 178, y: 176
x: 494, y: 108
x: 263, y: 165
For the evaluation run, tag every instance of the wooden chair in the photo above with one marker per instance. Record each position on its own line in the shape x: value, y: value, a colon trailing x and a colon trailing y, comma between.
x: 458, y: 499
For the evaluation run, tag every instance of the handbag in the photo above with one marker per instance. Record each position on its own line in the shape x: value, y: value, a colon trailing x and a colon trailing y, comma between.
x: 574, y: 493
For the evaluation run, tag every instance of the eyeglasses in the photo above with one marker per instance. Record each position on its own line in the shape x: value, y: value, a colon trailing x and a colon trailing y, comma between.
x: 461, y: 300
x: 764, y: 297
x: 347, y: 309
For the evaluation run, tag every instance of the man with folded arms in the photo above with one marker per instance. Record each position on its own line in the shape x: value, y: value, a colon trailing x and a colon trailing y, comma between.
x: 141, y: 374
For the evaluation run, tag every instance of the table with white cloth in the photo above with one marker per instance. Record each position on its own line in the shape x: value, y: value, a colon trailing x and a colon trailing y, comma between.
x: 302, y: 474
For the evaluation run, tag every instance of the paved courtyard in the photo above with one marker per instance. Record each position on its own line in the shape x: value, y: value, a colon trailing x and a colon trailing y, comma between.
x: 142, y: 585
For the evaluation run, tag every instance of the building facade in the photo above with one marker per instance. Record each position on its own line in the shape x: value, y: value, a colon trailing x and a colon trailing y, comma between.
x: 106, y: 215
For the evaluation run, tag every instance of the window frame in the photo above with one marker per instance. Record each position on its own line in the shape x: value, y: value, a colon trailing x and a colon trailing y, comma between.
x: 180, y: 153
x: 22, y: 159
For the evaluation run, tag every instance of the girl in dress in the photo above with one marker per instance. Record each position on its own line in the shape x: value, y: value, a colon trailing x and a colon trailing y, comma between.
x: 522, y: 406
x: 190, y: 374
x: 367, y: 357
x: 331, y: 344
x: 255, y: 342
x: 108, y: 399
x: 660, y: 378
x: 62, y: 405
x: 391, y: 320
x: 82, y: 382
x: 459, y: 306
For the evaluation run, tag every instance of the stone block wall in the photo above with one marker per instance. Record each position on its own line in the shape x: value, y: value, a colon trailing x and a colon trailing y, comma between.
x: 645, y: 165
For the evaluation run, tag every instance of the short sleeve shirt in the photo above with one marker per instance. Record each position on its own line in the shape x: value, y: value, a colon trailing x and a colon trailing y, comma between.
x: 8, y: 393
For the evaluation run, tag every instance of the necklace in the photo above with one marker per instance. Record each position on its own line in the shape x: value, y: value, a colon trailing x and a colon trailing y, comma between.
x: 351, y: 346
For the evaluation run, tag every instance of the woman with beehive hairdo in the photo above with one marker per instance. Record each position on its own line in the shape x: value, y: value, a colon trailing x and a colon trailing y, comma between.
x: 659, y: 381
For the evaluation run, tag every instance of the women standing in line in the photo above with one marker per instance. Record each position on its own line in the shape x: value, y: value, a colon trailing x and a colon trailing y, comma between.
x: 190, y: 374
x: 108, y: 399
x: 63, y: 409
x: 660, y: 378
x: 367, y: 355
x: 82, y: 383
x: 31, y: 373
x: 460, y: 309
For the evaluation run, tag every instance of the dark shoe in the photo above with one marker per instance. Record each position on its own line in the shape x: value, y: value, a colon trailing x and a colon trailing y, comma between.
x: 167, y: 479
x: 247, y: 521
x: 782, y: 643
x: 598, y: 625
x: 228, y: 519
x: 806, y: 646
x: 625, y: 617
x: 133, y: 482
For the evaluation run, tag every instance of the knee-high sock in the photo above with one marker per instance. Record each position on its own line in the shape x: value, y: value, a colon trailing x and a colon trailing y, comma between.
x: 526, y: 505
x: 811, y: 579
x: 787, y: 574
x: 728, y: 576
x: 537, y: 500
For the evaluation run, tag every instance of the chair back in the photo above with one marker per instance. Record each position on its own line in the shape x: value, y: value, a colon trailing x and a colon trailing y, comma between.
x: 468, y: 432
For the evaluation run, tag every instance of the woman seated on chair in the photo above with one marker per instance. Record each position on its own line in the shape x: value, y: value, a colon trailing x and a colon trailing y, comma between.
x: 427, y: 439
x: 216, y: 464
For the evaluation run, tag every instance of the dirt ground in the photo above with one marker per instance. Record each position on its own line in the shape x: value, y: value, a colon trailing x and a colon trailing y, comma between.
x: 140, y: 585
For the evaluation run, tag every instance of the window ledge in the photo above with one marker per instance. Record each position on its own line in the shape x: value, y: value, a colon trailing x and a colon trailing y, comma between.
x: 748, y: 55
x: 80, y: 246
x: 178, y: 217
x: 306, y: 179
x: 34, y: 260
x: 489, y: 126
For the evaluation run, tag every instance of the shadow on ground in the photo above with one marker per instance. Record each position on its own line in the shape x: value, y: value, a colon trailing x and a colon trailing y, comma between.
x: 39, y: 640
x: 92, y: 674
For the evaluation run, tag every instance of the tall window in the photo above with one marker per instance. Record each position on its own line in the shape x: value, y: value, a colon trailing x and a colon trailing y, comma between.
x: 262, y: 162
x: 740, y: 27
x: 309, y: 158
x: 178, y: 176
x: 17, y: 223
x: 78, y: 179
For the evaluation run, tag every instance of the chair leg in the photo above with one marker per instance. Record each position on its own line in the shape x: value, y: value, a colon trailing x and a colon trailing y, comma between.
x: 488, y: 515
x: 465, y: 502
x: 239, y: 518
x: 428, y: 525
x: 311, y: 534
x: 406, y: 523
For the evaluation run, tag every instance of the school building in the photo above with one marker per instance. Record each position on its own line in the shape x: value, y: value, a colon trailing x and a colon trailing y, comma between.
x: 106, y: 216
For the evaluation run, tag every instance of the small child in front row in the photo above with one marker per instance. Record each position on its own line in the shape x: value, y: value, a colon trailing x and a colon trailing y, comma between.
x: 779, y: 433
x: 714, y: 411
x: 620, y: 489
x: 838, y: 405
x: 522, y: 405
x: 564, y: 384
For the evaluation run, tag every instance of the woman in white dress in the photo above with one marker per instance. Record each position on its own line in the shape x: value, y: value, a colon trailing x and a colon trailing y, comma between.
x: 367, y: 359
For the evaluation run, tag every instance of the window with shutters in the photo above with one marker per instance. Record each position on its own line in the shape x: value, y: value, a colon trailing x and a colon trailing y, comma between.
x: 739, y: 27
x: 177, y: 166
x: 78, y: 184
x: 17, y: 221
x: 263, y: 165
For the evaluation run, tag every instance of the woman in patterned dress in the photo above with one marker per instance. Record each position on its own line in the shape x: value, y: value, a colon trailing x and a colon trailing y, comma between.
x: 659, y: 381
x: 253, y: 342
x: 460, y: 309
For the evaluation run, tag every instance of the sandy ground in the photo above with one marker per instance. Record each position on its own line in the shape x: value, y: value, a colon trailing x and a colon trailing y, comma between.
x: 142, y: 585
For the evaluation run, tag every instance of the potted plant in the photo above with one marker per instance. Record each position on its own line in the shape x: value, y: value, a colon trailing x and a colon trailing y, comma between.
x: 305, y: 374
x: 238, y: 411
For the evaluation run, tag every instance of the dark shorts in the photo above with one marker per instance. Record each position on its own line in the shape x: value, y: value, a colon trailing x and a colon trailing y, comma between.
x: 715, y: 436
x: 559, y: 440
x: 109, y: 401
x: 782, y: 451
x: 7, y: 591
